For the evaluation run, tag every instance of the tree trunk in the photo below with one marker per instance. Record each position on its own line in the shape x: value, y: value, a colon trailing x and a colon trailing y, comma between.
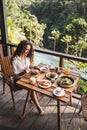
x: 54, y: 45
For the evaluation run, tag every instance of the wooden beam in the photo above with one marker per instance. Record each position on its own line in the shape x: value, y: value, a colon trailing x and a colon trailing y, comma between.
x: 3, y: 26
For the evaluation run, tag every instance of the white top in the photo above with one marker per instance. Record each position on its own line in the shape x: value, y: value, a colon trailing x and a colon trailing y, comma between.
x: 18, y: 64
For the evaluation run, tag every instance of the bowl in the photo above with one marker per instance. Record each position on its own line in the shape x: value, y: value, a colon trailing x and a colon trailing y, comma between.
x: 35, y: 71
x: 65, y: 81
x: 51, y: 75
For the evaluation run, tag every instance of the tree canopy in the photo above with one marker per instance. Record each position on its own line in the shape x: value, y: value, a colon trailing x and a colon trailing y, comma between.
x: 23, y: 23
x: 37, y: 19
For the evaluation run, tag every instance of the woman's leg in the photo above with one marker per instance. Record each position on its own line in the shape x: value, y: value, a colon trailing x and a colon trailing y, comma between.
x: 35, y: 99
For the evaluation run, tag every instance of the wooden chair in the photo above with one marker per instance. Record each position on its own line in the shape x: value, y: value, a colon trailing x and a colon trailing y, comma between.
x: 84, y: 106
x: 83, y: 109
x: 1, y: 51
x: 1, y: 55
x: 7, y: 73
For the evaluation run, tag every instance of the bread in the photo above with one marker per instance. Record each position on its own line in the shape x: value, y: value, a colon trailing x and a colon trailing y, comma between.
x: 44, y: 83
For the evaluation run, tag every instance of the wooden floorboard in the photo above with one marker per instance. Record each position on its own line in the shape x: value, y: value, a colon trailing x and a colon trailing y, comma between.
x: 9, y: 118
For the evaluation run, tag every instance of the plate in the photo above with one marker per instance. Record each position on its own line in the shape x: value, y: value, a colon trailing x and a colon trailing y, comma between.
x: 35, y: 71
x: 44, y: 69
x: 44, y: 83
x: 65, y: 81
x: 51, y: 75
x: 59, y: 94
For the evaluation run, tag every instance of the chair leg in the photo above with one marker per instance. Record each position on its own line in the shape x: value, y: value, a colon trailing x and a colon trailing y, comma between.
x: 80, y: 110
x: 13, y: 100
x: 3, y: 86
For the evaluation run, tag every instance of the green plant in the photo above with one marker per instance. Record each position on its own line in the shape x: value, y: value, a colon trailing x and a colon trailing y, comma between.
x: 82, y: 89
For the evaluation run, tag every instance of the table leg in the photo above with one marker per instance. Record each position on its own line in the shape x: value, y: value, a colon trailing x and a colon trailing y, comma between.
x: 58, y: 115
x: 25, y: 105
x: 71, y: 99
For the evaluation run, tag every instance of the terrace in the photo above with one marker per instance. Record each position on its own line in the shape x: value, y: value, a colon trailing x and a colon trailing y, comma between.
x: 70, y: 117
x: 71, y: 120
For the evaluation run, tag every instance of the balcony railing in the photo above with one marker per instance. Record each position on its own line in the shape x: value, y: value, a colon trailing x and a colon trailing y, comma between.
x: 61, y: 56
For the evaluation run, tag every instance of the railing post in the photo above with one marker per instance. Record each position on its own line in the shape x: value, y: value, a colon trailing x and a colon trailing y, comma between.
x: 61, y: 62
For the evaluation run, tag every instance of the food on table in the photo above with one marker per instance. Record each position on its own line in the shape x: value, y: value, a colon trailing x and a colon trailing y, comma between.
x: 32, y: 80
x: 51, y: 75
x: 35, y: 71
x: 66, y: 81
x: 44, y: 83
x: 43, y: 69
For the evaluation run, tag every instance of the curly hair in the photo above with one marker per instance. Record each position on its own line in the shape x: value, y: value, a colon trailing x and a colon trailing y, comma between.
x: 21, y: 48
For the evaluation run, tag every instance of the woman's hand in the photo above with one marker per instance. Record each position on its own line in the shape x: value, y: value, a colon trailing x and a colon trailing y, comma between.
x: 27, y: 70
x: 31, y: 66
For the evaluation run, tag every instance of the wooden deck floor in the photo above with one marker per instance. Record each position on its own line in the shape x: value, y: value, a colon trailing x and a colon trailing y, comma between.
x: 9, y: 119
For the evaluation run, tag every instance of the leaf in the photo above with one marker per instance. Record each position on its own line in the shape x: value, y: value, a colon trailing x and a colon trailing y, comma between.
x: 84, y: 88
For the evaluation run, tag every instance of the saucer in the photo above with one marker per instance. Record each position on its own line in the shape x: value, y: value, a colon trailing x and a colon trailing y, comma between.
x: 60, y: 93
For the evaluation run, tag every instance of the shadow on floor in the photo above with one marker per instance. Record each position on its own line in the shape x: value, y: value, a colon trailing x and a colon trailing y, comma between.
x: 6, y: 128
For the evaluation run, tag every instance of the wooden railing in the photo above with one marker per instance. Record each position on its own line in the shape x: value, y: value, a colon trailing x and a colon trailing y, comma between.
x: 61, y: 56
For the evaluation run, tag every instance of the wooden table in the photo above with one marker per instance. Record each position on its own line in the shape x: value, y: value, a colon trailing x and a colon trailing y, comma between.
x: 24, y: 83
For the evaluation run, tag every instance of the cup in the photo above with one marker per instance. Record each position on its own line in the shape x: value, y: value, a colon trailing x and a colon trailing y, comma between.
x: 59, y: 90
x: 67, y: 71
x: 32, y: 80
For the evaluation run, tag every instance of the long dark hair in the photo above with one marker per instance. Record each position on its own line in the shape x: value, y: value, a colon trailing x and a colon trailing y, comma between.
x: 21, y: 48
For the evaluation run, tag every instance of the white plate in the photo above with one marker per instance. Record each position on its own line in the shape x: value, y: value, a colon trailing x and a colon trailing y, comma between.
x: 43, y: 86
x: 60, y: 94
x: 43, y: 69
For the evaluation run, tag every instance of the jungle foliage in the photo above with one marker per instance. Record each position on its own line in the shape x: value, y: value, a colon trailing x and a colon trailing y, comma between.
x: 22, y: 24
x: 38, y: 19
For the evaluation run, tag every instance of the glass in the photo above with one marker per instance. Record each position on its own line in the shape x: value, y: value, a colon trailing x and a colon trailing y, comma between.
x: 67, y: 71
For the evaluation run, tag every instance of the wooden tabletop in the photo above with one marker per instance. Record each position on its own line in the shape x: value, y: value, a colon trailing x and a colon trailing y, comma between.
x: 24, y: 83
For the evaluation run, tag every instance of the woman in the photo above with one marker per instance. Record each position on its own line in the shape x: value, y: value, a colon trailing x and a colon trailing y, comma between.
x: 21, y: 60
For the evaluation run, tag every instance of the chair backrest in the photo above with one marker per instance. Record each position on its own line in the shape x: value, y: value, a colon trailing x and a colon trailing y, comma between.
x: 6, y: 66
x: 1, y: 51
x: 84, y: 106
